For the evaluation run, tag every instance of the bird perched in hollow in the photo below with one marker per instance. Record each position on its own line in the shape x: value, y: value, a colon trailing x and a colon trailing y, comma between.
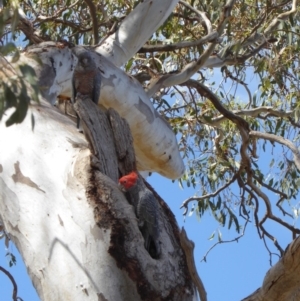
x: 147, y: 211
x: 86, y: 79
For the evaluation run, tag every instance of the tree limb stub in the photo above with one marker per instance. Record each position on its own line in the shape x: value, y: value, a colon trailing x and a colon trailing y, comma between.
x: 188, y: 247
x: 93, y: 123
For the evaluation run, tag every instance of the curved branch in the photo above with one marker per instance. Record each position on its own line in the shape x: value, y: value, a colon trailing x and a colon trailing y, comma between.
x: 171, y: 47
x: 201, y: 15
x: 15, y: 287
x: 281, y: 17
x: 255, y: 112
x: 245, y: 160
x: 234, y: 78
x: 281, y: 140
x: 269, y: 214
x: 259, y: 224
x: 282, y: 195
x: 27, y: 28
x: 206, y: 92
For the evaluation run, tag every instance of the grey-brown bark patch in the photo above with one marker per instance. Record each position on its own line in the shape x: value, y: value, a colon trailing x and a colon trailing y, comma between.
x: 1, y: 168
x: 101, y: 297
x: 60, y: 220
x: 145, y: 110
x: 19, y: 177
x: 97, y: 233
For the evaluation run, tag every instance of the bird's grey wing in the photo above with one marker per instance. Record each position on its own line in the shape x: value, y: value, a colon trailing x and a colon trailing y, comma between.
x: 148, y: 214
x: 97, y: 87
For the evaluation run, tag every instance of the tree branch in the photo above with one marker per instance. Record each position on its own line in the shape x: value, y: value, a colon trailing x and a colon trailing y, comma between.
x: 243, y: 127
x: 281, y: 140
x: 282, y: 195
x: 225, y: 241
x: 172, y: 47
x: 43, y: 19
x: 15, y: 287
x: 93, y: 11
x: 255, y: 112
x: 200, y: 14
x: 281, y: 17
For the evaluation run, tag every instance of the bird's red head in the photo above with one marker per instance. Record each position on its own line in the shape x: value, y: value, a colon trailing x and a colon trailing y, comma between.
x: 128, y: 181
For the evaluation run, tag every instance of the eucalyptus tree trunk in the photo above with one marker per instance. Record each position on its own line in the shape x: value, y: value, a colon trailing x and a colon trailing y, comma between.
x: 74, y: 228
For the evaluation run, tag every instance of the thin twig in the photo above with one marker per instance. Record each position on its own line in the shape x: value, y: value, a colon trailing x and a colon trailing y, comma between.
x: 207, y: 196
x: 225, y: 241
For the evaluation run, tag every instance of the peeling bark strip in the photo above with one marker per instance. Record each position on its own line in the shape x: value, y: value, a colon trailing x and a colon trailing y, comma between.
x: 155, y: 279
